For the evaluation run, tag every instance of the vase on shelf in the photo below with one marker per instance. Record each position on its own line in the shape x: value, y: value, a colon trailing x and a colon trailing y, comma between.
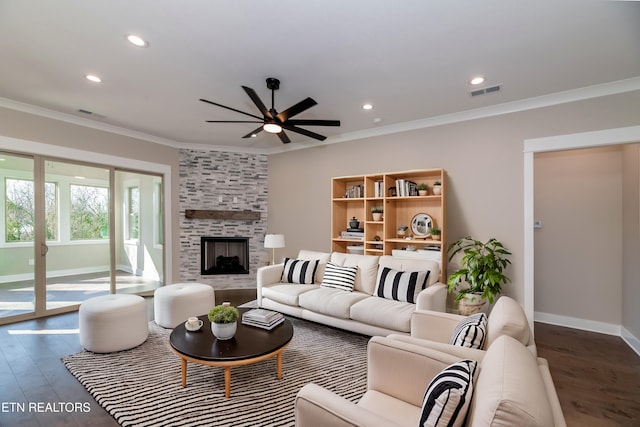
x: 377, y: 216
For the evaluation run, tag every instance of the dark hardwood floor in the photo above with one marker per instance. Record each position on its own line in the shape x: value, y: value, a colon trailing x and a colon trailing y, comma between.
x: 597, y: 376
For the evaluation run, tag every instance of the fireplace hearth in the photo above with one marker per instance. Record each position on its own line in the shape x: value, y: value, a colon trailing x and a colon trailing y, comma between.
x: 224, y: 255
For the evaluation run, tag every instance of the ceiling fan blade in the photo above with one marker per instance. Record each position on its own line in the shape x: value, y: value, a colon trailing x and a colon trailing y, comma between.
x: 256, y: 100
x: 253, y: 132
x: 305, y: 132
x: 232, y: 109
x: 232, y: 121
x: 310, y: 122
x: 296, y: 109
x: 283, y: 137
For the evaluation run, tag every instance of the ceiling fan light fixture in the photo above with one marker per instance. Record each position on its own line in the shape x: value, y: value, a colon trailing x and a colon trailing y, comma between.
x: 272, y: 128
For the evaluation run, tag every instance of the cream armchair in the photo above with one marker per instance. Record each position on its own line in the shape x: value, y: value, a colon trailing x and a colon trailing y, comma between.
x: 433, y: 329
x: 511, y: 388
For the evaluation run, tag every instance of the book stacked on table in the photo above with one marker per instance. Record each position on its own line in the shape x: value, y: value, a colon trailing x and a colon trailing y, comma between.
x: 261, y: 318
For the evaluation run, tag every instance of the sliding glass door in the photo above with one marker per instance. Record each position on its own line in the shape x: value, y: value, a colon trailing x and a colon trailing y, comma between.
x: 70, y: 231
x: 77, y: 223
x: 17, y: 236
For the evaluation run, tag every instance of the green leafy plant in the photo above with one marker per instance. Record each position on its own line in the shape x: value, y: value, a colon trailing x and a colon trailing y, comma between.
x: 482, y: 267
x: 223, y: 314
x: 437, y: 183
x: 435, y: 231
x: 377, y: 209
x: 422, y: 187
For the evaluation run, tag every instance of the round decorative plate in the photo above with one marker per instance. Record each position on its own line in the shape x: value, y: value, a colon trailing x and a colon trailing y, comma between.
x: 421, y: 225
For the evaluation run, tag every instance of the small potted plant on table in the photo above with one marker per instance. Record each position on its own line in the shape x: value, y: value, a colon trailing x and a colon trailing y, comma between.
x: 482, y: 269
x: 224, y: 321
x: 422, y: 189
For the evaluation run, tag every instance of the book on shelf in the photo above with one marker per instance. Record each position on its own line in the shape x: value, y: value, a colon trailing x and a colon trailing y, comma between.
x: 406, y: 188
x: 378, y: 189
x: 352, y: 235
x: 355, y: 192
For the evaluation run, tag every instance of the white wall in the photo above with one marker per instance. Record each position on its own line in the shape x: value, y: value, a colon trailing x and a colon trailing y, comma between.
x: 631, y: 244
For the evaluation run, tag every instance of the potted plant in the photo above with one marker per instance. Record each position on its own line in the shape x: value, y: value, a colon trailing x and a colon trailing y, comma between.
x: 482, y: 269
x: 437, y: 188
x: 376, y: 212
x: 422, y: 189
x: 224, y: 321
x: 435, y: 233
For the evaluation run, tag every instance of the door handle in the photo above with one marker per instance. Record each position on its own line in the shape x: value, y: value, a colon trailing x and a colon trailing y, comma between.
x: 43, y: 249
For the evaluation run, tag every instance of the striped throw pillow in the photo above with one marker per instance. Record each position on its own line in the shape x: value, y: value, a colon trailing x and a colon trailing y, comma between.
x: 339, y: 277
x: 299, y: 271
x: 471, y: 332
x: 400, y: 285
x: 447, y: 398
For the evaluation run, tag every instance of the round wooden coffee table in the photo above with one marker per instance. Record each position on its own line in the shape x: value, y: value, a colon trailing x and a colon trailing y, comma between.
x: 249, y: 345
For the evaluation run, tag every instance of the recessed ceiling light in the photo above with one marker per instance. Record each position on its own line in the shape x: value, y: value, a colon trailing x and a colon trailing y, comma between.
x: 377, y: 120
x: 367, y: 107
x: 137, y: 40
x: 477, y: 80
x: 93, y: 78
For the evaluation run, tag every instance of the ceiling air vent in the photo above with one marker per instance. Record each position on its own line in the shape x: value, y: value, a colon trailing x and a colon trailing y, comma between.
x: 91, y: 113
x: 490, y: 89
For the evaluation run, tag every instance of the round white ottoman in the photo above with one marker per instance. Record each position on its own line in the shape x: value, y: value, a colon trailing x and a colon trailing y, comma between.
x: 113, y: 322
x: 174, y: 304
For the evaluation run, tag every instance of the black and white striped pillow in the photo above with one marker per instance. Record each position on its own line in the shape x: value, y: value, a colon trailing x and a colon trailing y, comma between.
x: 299, y: 271
x: 470, y: 332
x: 448, y: 397
x: 400, y: 285
x: 339, y: 277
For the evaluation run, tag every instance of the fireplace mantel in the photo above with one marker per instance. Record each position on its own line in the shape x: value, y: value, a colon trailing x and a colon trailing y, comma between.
x: 211, y: 214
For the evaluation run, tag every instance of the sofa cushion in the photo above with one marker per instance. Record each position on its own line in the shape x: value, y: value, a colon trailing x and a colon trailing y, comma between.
x: 299, y: 271
x: 286, y: 293
x: 400, y: 285
x: 384, y: 313
x: 367, y: 269
x: 470, y: 332
x: 322, y: 257
x: 412, y: 264
x: 330, y: 301
x: 507, y: 318
x: 510, y: 390
x: 447, y: 398
x: 339, y: 277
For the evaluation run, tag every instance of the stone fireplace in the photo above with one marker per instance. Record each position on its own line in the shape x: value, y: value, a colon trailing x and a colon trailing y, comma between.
x: 233, y: 183
x: 224, y: 255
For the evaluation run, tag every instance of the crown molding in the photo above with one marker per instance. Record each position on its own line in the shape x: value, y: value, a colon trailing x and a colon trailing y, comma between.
x: 605, y: 89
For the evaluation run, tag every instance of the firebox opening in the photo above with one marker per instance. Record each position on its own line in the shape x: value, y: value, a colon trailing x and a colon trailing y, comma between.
x: 224, y: 255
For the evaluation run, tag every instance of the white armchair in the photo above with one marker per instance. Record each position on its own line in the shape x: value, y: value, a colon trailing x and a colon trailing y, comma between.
x: 511, y: 388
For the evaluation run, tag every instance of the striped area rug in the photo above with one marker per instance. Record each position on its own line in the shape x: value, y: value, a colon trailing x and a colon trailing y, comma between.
x: 142, y: 386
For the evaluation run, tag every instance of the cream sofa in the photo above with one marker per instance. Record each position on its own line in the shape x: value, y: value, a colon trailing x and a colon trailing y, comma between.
x: 512, y: 388
x: 358, y: 311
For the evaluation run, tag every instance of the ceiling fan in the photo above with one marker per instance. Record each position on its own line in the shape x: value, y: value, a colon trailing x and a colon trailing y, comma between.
x: 274, y: 122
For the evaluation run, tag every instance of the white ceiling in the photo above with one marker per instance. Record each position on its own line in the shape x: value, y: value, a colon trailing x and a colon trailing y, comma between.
x: 411, y: 59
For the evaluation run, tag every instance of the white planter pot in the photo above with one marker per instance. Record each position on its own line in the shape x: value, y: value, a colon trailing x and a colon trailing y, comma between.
x: 224, y: 331
x: 437, y: 190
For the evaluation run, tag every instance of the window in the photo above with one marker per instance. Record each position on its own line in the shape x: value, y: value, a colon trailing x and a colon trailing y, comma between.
x: 89, y: 214
x: 20, y: 210
x: 133, y: 213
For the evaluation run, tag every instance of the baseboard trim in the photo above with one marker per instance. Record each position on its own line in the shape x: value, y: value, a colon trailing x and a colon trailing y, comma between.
x: 589, y: 325
x: 631, y: 340
x: 577, y: 323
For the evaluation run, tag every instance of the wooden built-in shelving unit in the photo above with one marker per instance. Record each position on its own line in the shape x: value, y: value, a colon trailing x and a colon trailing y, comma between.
x: 354, y: 196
